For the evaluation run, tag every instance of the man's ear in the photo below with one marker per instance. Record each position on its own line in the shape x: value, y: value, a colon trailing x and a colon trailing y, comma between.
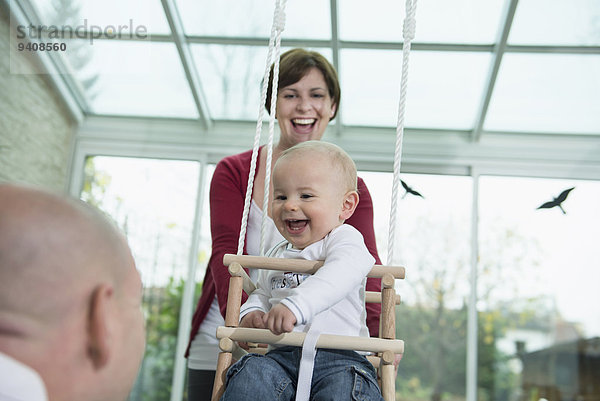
x: 99, y: 326
x: 349, y: 205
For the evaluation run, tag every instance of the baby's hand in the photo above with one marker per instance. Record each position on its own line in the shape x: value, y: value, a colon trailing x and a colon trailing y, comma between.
x: 279, y: 319
x: 253, y: 320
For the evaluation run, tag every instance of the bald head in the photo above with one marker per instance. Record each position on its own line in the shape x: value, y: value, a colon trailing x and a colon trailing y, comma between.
x: 70, y: 296
x: 53, y: 251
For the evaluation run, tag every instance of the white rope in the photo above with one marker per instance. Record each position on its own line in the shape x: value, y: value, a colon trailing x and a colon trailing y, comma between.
x: 275, y: 43
x: 408, y: 34
x: 277, y: 28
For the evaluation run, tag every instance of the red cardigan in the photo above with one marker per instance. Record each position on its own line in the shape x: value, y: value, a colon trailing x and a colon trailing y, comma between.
x: 227, y: 193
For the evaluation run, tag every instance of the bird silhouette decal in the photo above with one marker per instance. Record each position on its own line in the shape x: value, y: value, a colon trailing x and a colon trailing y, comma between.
x: 557, y: 201
x: 409, y: 190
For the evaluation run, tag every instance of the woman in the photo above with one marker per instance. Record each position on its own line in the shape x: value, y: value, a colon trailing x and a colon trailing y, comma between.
x: 308, y: 98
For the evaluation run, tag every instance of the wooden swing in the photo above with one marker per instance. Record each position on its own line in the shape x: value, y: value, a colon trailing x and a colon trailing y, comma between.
x: 384, y: 348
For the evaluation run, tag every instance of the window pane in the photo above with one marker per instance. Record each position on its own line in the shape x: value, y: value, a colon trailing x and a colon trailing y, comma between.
x: 433, y: 243
x: 538, y: 297
x: 547, y: 93
x: 104, y: 14
x: 459, y: 21
x: 231, y: 77
x: 254, y: 18
x: 556, y: 22
x: 153, y: 201
x: 127, y: 77
x: 205, y: 240
x: 444, y: 89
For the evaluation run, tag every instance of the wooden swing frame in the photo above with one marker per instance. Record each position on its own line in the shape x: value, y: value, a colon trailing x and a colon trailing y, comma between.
x: 385, y: 347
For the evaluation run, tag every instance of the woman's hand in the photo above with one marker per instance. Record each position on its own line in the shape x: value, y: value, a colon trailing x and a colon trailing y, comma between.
x: 279, y: 319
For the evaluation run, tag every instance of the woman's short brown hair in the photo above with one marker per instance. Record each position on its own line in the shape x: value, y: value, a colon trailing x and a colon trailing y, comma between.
x: 295, y: 64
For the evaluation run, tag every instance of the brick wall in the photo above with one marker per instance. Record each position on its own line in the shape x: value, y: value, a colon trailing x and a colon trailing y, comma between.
x: 35, y: 128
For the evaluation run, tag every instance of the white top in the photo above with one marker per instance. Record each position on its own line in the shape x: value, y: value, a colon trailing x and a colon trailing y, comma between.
x: 333, y: 298
x: 18, y: 382
x: 204, y: 348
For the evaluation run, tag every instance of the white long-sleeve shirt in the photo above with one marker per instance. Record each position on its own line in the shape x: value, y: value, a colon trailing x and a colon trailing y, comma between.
x: 19, y: 382
x: 333, y: 298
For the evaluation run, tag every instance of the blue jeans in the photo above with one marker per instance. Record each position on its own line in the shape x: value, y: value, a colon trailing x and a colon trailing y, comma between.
x: 337, y: 375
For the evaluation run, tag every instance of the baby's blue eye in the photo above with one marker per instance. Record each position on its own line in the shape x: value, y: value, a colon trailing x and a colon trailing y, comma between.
x: 306, y: 196
x: 280, y: 197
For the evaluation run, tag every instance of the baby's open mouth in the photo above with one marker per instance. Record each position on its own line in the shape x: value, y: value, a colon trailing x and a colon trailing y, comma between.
x: 296, y: 225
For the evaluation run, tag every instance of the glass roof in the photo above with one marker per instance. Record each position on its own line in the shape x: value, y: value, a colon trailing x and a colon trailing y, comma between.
x: 548, y: 93
x: 139, y: 78
x: 556, y: 22
x: 443, y: 92
x: 496, y: 65
x: 252, y: 18
x: 148, y: 13
x: 230, y: 89
x: 457, y: 21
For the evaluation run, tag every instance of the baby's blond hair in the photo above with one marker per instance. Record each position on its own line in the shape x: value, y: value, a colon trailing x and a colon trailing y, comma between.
x: 339, y: 159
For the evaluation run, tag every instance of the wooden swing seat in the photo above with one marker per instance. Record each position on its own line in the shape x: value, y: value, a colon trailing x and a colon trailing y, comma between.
x: 385, y: 347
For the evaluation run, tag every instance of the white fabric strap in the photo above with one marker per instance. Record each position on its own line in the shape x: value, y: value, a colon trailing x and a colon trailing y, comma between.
x: 307, y: 362
x: 309, y: 352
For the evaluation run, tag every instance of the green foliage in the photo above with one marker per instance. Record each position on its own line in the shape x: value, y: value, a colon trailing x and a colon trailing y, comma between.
x: 95, y: 184
x: 435, y: 351
x: 434, y: 325
x: 434, y: 364
x: 162, y: 307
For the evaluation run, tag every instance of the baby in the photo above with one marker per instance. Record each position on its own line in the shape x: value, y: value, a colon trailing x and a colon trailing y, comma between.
x: 314, y: 192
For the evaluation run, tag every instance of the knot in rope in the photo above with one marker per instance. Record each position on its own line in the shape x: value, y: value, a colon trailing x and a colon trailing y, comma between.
x: 410, y: 24
x: 279, y: 20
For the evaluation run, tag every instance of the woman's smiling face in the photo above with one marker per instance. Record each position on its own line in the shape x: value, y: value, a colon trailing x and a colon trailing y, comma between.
x: 304, y: 109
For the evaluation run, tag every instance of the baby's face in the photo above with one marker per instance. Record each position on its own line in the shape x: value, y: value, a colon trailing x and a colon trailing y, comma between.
x: 307, y: 198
